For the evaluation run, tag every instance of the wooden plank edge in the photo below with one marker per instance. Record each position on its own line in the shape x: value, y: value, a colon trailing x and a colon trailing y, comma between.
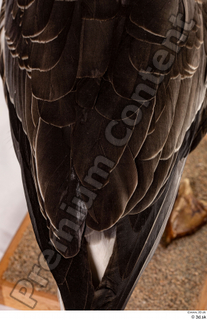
x: 202, y: 303
x: 13, y: 245
x: 13, y: 296
x: 9, y: 291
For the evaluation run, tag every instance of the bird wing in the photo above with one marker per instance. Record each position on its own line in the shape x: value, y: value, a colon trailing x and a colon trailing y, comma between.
x: 106, y: 99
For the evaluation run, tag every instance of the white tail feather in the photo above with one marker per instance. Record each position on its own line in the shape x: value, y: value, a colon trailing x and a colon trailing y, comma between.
x: 100, y: 248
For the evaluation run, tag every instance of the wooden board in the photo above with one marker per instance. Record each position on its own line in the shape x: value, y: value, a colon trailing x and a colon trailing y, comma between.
x: 202, y: 303
x: 22, y: 295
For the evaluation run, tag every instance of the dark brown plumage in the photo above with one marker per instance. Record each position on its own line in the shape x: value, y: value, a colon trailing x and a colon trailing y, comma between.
x: 106, y: 100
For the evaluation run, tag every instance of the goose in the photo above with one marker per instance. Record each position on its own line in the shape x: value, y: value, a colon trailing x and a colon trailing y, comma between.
x: 106, y: 99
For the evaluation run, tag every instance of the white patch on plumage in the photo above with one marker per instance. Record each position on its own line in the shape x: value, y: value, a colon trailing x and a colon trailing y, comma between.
x: 100, y: 248
x: 2, y: 37
x: 60, y: 300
